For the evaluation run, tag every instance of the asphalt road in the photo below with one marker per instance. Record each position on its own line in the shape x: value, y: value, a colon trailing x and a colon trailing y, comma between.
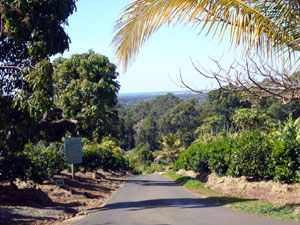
x: 153, y: 199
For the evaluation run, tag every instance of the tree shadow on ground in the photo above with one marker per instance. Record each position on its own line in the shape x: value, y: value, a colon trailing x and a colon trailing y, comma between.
x: 182, y: 203
x: 81, y: 183
x: 219, y: 199
x: 161, y: 203
x: 152, y: 183
x: 170, y: 202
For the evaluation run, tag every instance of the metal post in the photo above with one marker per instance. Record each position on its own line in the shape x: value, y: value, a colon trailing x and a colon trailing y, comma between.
x: 73, y: 171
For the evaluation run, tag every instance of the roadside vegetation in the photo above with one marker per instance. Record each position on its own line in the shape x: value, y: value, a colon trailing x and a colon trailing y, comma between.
x: 254, y: 206
x: 230, y: 133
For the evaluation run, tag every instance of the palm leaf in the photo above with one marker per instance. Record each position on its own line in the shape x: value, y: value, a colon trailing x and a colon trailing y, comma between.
x: 255, y: 24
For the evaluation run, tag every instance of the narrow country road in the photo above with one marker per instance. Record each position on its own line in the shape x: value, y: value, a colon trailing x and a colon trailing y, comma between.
x: 153, y: 199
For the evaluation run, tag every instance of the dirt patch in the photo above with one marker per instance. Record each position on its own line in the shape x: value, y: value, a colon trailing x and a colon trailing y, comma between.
x: 274, y: 192
x: 60, y: 201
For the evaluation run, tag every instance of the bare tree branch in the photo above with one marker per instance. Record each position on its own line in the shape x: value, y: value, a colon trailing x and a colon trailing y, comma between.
x: 257, y: 78
x: 10, y: 67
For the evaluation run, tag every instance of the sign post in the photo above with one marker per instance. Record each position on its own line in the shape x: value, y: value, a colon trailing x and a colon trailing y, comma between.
x: 73, y: 152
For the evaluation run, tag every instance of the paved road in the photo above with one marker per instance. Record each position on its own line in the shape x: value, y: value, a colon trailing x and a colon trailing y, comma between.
x: 153, y: 199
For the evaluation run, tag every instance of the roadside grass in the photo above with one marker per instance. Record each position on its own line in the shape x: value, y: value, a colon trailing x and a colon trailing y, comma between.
x: 253, y: 206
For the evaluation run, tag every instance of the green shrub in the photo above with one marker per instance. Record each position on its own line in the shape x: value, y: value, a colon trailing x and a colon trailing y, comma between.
x: 144, y: 154
x: 45, y: 161
x: 194, y: 158
x: 91, y: 158
x: 250, y: 155
x: 13, y: 165
x: 220, y: 155
x: 94, y: 157
x: 285, y: 157
x: 153, y: 167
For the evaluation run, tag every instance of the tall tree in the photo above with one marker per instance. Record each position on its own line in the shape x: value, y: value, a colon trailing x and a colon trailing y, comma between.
x: 182, y: 120
x: 146, y: 133
x: 30, y: 32
x: 86, y: 91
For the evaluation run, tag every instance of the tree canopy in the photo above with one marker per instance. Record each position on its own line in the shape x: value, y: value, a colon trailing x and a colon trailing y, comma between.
x: 30, y: 32
x: 267, y: 24
x: 86, y: 90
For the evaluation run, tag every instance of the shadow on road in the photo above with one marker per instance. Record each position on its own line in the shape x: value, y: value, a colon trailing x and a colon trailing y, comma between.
x: 171, y: 202
x: 161, y: 203
x: 152, y: 183
x: 174, y: 202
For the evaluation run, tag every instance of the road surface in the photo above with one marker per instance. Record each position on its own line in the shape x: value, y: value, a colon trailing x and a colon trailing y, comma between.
x: 153, y: 199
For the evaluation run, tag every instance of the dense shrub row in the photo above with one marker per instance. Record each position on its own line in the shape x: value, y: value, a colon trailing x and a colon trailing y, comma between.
x: 97, y: 157
x: 42, y: 161
x: 37, y: 162
x: 250, y: 154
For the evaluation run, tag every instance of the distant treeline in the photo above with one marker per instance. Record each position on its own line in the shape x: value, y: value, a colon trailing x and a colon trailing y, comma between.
x: 229, y: 133
x: 134, y: 99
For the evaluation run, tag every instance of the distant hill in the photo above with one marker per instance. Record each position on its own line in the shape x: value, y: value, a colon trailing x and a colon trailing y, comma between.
x: 134, y: 98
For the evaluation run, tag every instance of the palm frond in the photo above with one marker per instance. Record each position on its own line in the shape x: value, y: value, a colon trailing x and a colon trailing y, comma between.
x: 255, y: 24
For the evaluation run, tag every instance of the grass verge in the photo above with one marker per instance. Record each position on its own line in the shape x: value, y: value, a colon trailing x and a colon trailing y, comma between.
x: 253, y: 206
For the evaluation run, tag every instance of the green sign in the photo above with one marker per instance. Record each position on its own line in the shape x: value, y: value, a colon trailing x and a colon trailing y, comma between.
x: 73, y: 150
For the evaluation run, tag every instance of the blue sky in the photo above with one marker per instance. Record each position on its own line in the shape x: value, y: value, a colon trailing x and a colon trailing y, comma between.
x: 160, y: 59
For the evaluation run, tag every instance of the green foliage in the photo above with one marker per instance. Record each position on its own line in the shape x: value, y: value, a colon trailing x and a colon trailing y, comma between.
x: 30, y: 32
x: 153, y: 168
x: 250, y: 155
x: 13, y: 165
x: 143, y: 154
x: 235, y: 137
x: 86, y: 90
x: 16, y: 127
x: 248, y: 119
x: 45, y: 161
x: 146, y: 131
x: 203, y: 157
x: 279, y: 111
x: 37, y: 24
x: 285, y: 157
x: 265, y: 208
x: 195, y: 157
x: 126, y: 132
x: 160, y: 116
x: 170, y: 146
x: 260, y: 207
x: 190, y: 183
x: 37, y: 162
x: 94, y: 157
x: 224, y: 104
x: 39, y: 99
x: 220, y: 155
x: 182, y: 116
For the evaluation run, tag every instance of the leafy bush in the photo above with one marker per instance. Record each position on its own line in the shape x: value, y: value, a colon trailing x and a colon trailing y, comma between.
x: 45, y: 161
x: 144, y: 154
x: 36, y: 162
x: 13, y: 165
x: 95, y: 157
x: 195, y: 157
x: 220, y: 155
x: 153, y: 167
x: 285, y: 157
x: 250, y: 155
